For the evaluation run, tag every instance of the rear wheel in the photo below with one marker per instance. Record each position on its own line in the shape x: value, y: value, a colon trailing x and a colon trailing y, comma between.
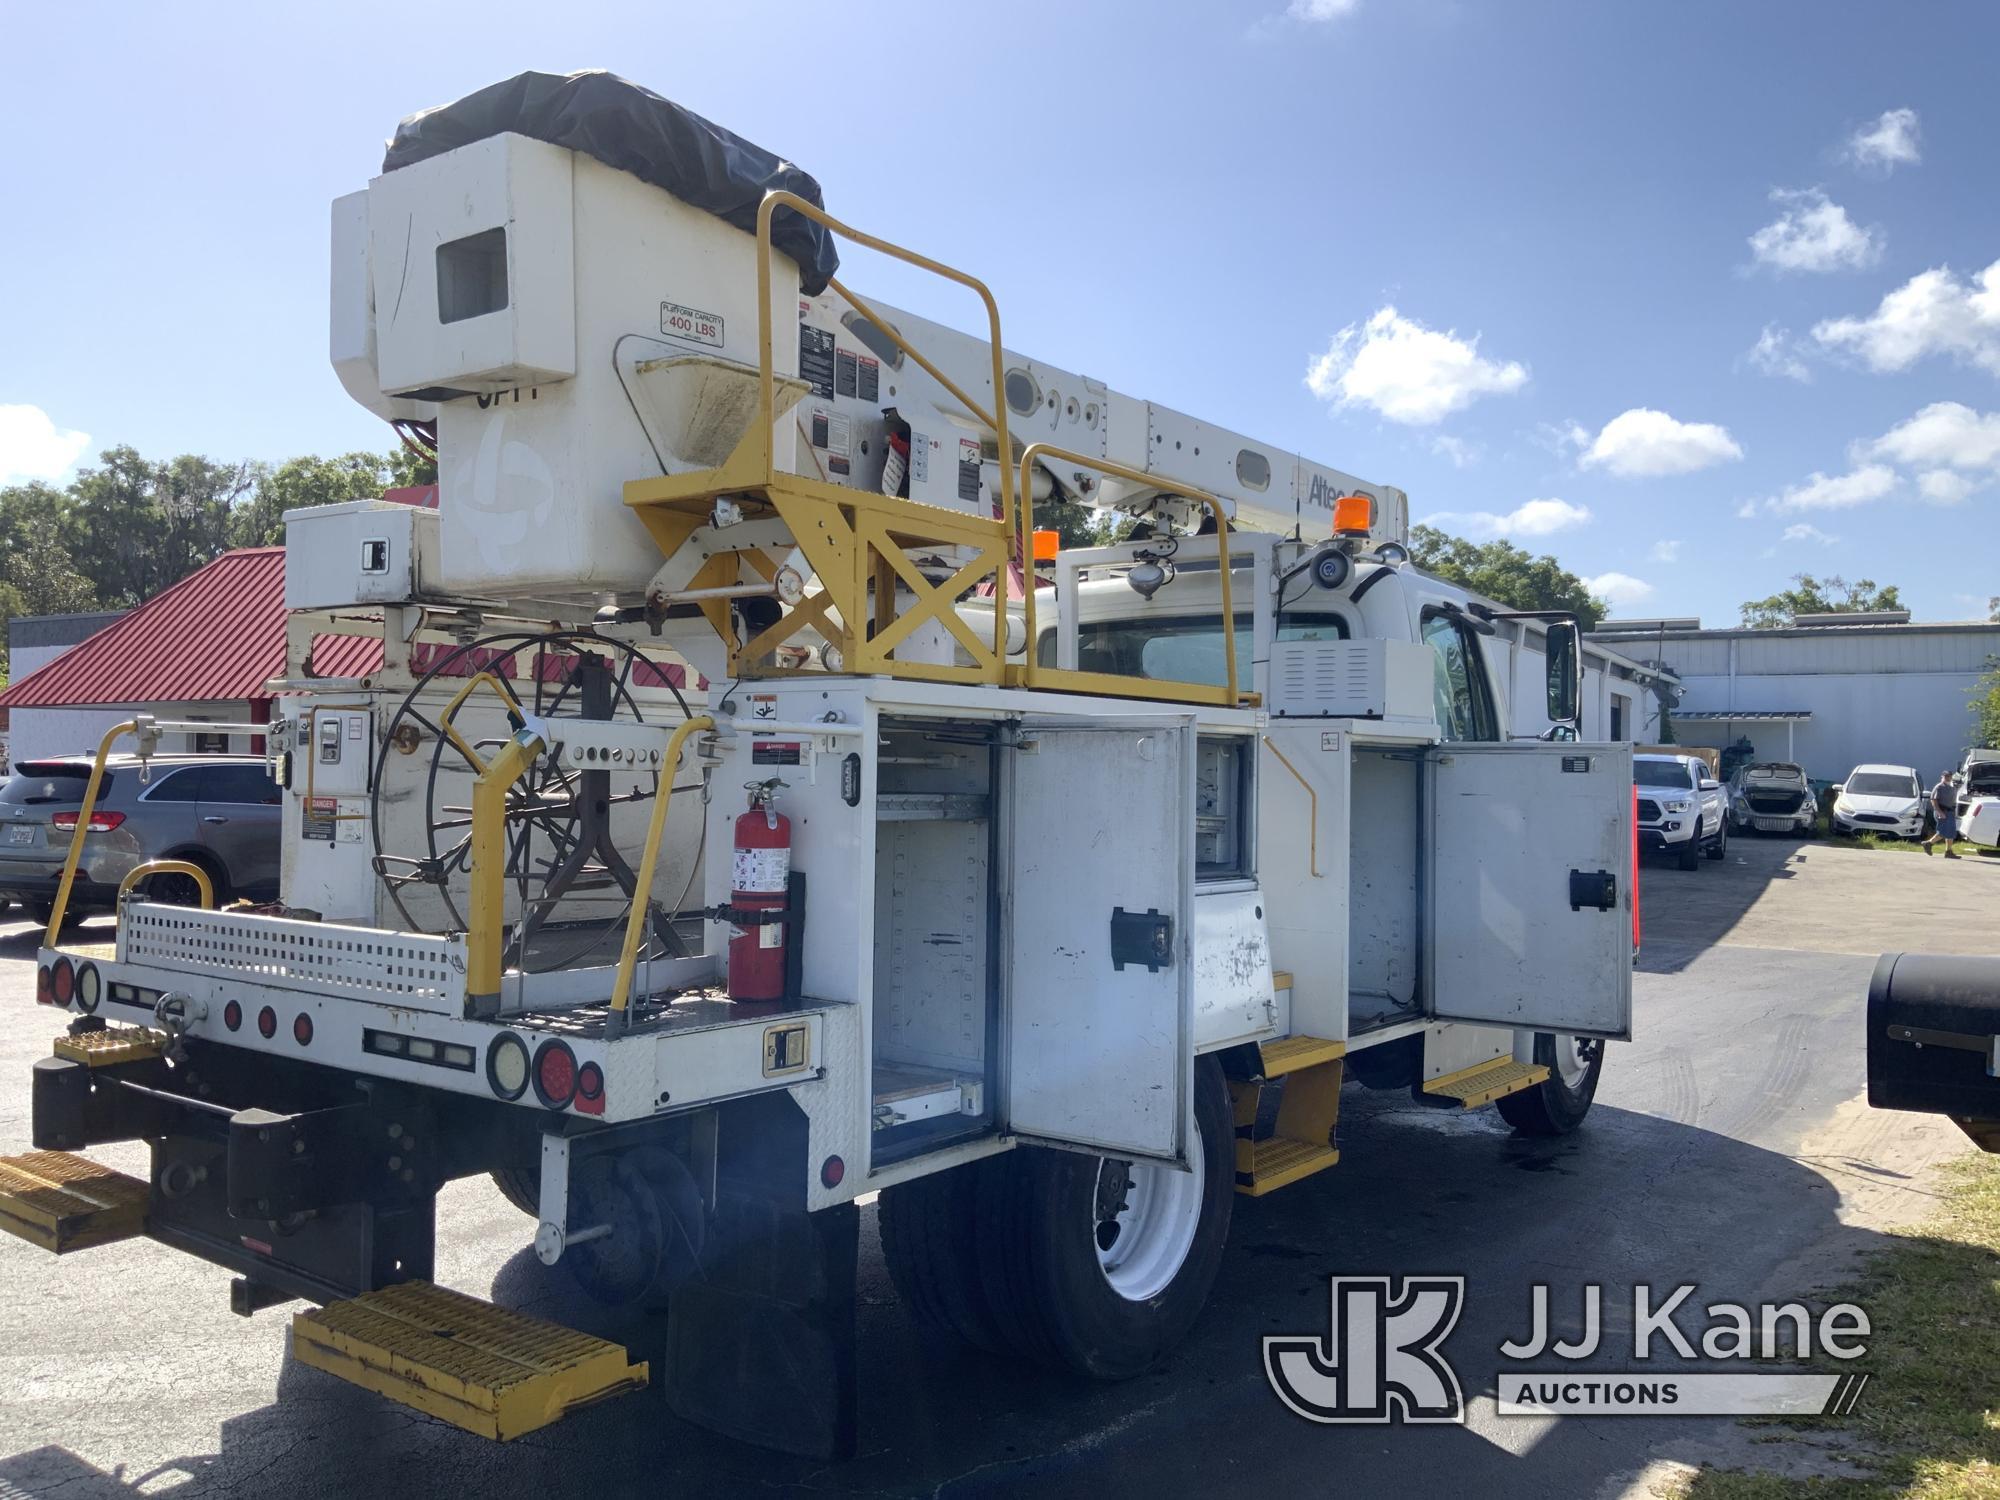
x: 176, y: 888
x: 1557, y: 1105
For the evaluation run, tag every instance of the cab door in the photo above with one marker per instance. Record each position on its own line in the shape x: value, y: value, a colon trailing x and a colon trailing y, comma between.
x: 1529, y: 893
x: 1097, y: 910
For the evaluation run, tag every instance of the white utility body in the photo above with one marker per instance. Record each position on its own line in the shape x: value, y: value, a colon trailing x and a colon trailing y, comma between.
x: 1088, y: 907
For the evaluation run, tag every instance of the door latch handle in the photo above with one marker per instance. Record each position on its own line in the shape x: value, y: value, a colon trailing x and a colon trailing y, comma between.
x: 1142, y: 937
x: 213, y: 818
x: 1597, y: 889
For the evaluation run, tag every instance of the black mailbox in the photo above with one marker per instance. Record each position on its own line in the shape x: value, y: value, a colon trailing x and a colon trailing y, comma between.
x: 1934, y: 1039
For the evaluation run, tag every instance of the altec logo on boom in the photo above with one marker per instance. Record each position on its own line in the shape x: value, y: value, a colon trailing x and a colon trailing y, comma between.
x: 1381, y: 1358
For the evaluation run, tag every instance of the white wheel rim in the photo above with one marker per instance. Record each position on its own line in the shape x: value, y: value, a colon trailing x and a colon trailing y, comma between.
x: 1149, y: 1238
x: 1571, y: 1064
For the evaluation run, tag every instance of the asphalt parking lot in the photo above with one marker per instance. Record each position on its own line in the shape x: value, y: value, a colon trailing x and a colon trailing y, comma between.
x: 1727, y: 1147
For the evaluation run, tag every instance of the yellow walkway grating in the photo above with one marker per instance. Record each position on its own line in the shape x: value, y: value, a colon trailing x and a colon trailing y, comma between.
x: 65, y: 1202
x: 113, y: 1044
x: 1277, y: 1162
x: 483, y: 1368
x: 1293, y: 1053
x: 1472, y: 1087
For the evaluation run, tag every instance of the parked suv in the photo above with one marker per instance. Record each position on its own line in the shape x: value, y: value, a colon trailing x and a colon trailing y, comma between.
x: 1680, y: 808
x: 1772, y: 796
x: 219, y: 812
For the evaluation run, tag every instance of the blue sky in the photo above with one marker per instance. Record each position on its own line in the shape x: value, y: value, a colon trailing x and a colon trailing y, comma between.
x: 1689, y: 294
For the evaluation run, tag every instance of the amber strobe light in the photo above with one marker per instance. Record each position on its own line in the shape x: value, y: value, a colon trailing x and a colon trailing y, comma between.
x: 1353, y: 515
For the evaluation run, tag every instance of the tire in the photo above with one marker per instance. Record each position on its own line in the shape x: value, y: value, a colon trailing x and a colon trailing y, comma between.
x: 1555, y: 1106
x: 1720, y: 847
x: 175, y: 889
x: 522, y: 1187
x: 1109, y: 1317
x: 1690, y: 855
x: 930, y: 1232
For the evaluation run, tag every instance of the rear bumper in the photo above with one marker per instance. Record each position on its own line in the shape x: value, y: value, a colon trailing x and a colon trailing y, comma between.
x: 84, y: 895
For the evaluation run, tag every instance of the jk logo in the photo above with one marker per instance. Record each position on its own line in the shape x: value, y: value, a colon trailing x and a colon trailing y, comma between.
x: 1379, y: 1359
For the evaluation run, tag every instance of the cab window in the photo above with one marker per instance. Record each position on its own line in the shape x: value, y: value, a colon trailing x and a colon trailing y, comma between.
x: 1459, y: 689
x: 1183, y: 649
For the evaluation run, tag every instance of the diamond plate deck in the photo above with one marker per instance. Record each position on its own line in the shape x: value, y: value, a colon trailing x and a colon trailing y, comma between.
x: 483, y: 1368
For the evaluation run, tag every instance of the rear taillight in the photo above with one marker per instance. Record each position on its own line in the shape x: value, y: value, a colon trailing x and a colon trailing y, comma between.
x: 100, y: 822
x: 267, y: 1023
x: 590, y: 1089
x: 44, y: 994
x: 232, y: 1015
x: 302, y: 1029
x: 89, y: 988
x: 555, y: 1074
x: 62, y: 981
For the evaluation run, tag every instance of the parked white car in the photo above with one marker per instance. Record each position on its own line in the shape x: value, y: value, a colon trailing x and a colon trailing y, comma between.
x: 1772, y: 797
x: 1681, y: 808
x: 1979, y: 820
x: 1880, y: 799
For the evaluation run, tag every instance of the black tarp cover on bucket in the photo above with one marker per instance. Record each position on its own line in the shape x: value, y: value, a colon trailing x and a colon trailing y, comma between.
x: 635, y: 130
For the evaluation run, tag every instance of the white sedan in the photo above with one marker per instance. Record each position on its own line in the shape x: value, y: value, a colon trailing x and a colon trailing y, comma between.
x: 1880, y: 799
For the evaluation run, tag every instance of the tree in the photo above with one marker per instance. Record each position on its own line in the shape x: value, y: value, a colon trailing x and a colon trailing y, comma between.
x: 407, y: 466
x: 41, y: 579
x: 1502, y: 571
x: 1810, y: 596
x: 299, y: 482
x: 1986, y: 705
x: 136, y: 526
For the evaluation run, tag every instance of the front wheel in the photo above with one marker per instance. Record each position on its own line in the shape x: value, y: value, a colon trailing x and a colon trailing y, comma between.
x: 1557, y: 1105
x: 1690, y: 855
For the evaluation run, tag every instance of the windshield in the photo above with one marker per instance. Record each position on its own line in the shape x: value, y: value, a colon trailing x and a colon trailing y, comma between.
x: 1881, y: 784
x: 38, y: 781
x: 1664, y: 773
x: 1183, y: 649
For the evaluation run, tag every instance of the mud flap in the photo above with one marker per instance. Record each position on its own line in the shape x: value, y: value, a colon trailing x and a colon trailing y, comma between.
x: 761, y: 1345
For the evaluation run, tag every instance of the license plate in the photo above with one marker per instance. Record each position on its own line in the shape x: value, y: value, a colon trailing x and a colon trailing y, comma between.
x: 21, y: 833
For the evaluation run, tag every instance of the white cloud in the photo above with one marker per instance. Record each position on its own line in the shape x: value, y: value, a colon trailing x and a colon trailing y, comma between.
x: 1942, y: 487
x: 1645, y: 444
x: 1463, y: 455
x: 1666, y: 552
x: 1747, y: 511
x: 1802, y: 532
x: 1813, y: 233
x: 1944, y: 435
x: 33, y: 447
x: 1329, y: 10
x: 1934, y: 312
x: 1838, y: 492
x: 1407, y: 372
x: 1620, y: 588
x: 1889, y: 142
x: 1530, y: 518
x: 1775, y: 353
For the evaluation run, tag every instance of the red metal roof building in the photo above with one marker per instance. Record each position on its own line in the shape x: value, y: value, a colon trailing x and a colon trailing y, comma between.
x: 203, y: 649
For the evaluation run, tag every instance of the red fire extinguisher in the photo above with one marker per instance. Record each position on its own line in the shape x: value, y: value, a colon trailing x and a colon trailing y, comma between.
x: 763, y: 867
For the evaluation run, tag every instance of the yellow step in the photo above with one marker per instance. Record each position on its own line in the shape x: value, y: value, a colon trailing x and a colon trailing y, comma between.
x: 1487, y: 1081
x: 1265, y: 1166
x: 483, y: 1368
x: 112, y: 1044
x: 1293, y: 1054
x: 65, y: 1202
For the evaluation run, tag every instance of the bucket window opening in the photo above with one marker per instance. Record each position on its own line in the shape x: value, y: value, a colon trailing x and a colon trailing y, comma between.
x: 1460, y: 692
x: 1182, y: 648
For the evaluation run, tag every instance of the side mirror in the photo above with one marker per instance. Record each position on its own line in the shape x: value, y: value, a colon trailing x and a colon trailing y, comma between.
x: 1835, y: 790
x: 1565, y: 669
x: 1711, y: 786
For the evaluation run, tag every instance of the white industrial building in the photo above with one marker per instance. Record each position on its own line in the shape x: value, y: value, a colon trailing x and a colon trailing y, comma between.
x: 1829, y: 692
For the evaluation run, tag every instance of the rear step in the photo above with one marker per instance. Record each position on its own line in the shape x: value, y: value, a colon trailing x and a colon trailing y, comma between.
x: 1471, y: 1087
x: 65, y: 1202
x: 483, y: 1368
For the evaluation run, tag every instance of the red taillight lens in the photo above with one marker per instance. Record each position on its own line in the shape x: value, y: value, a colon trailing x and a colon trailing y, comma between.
x: 267, y: 1023
x: 62, y: 981
x: 100, y: 822
x: 232, y: 1015
x: 44, y: 994
x: 302, y: 1029
x: 832, y: 1171
x: 590, y: 1089
x: 555, y: 1074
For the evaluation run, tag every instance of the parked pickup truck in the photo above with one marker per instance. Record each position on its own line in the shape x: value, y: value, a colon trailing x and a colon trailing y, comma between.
x: 1772, y: 797
x: 1682, y: 811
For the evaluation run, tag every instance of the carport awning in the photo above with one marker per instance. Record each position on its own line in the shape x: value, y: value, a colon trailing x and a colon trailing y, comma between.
x: 1744, y: 716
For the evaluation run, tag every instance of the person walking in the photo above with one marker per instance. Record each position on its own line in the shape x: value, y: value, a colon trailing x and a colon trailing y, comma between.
x: 1944, y: 808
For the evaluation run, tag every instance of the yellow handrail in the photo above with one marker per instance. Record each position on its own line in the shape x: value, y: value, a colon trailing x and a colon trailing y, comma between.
x: 75, y: 856
x: 1034, y: 451
x: 642, y: 892
x: 487, y: 891
x: 171, y: 867
x: 766, y: 381
x: 1312, y: 856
